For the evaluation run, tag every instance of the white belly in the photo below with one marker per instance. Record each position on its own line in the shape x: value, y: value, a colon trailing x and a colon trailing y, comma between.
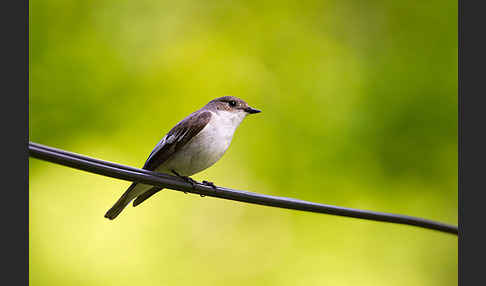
x: 205, y: 149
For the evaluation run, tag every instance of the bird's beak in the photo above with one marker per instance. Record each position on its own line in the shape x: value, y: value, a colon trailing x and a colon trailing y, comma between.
x: 251, y: 110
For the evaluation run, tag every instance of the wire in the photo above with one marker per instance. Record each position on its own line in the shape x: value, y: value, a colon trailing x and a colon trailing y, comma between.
x: 128, y: 173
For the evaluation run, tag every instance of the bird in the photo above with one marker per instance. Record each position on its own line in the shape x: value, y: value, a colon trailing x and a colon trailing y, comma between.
x: 191, y: 146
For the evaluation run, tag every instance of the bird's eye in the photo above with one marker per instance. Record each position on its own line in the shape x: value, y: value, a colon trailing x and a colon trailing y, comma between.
x: 232, y: 103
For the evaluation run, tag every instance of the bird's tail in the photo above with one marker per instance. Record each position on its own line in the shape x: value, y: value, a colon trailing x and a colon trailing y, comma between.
x: 132, y: 192
x: 140, y: 199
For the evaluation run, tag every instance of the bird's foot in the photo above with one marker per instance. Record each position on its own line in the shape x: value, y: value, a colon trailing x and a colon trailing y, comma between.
x: 210, y: 184
x: 190, y: 181
x: 187, y: 179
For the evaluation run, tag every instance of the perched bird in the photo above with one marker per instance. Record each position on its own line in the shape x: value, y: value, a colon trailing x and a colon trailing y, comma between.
x: 191, y: 146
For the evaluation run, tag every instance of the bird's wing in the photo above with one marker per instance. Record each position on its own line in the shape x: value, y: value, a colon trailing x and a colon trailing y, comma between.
x: 177, y: 137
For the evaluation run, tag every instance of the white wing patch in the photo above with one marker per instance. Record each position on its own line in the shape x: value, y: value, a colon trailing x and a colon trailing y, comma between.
x: 162, y: 141
x: 171, y: 139
x: 182, y: 136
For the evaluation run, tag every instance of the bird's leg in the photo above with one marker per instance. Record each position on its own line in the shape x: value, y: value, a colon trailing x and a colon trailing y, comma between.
x: 187, y: 179
x: 192, y: 181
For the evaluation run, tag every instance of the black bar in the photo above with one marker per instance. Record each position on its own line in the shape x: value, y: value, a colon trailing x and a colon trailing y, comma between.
x: 127, y: 173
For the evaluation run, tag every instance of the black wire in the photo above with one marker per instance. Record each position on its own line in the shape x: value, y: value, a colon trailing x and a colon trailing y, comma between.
x: 123, y: 172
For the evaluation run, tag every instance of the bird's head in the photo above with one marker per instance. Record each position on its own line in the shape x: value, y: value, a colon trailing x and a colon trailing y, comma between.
x: 233, y: 105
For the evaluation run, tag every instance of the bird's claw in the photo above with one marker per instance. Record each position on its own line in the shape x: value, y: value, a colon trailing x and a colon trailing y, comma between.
x: 187, y: 179
x: 191, y: 181
x: 207, y: 183
x: 211, y: 184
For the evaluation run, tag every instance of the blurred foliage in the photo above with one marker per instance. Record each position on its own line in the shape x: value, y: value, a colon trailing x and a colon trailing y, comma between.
x: 359, y: 103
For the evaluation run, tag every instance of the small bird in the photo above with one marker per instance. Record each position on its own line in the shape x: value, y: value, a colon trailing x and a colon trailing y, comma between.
x: 191, y: 146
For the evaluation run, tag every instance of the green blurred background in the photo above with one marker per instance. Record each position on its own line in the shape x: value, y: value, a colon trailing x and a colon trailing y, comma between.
x: 359, y: 103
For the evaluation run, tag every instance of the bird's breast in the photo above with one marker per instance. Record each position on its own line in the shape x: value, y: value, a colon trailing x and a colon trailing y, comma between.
x: 216, y: 137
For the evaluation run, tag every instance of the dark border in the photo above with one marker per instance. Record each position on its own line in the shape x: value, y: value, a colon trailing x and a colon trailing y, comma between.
x: 471, y: 140
x: 14, y: 117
